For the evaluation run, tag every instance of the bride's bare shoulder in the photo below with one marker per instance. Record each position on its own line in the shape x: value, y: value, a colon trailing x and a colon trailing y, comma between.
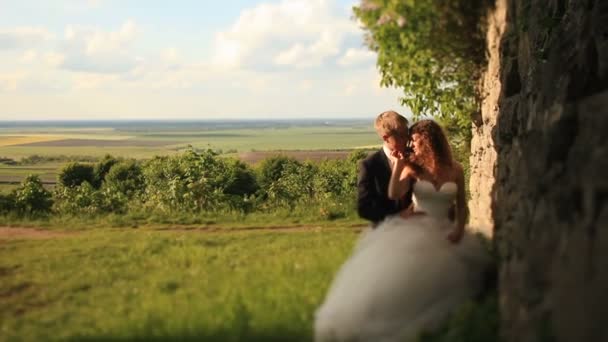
x: 409, y: 171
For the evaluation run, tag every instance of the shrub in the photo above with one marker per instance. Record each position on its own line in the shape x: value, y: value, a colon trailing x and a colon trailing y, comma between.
x: 101, y: 169
x: 82, y: 199
x: 31, y: 197
x: 7, y: 203
x: 295, y: 184
x: 74, y: 174
x: 272, y: 169
x: 241, y: 179
x: 126, y: 178
x: 188, y: 182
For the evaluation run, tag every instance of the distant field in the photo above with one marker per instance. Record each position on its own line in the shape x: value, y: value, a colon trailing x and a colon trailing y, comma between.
x: 147, y: 141
x: 248, y: 141
x: 6, y: 188
x: 9, y: 140
x: 99, y: 143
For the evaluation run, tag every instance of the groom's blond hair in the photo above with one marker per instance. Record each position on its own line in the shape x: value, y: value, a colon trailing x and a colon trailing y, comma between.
x: 390, y: 122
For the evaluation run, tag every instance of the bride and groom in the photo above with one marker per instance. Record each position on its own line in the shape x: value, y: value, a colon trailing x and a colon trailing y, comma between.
x: 417, y: 262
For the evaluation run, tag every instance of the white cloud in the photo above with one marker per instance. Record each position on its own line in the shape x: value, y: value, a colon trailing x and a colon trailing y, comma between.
x: 11, y: 81
x: 53, y: 59
x: 29, y: 56
x: 97, y: 51
x: 290, y: 33
x: 301, y: 56
x: 23, y: 37
x: 94, y: 3
x: 356, y: 57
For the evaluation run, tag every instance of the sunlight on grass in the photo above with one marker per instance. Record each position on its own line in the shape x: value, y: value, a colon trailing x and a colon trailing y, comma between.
x: 142, y: 284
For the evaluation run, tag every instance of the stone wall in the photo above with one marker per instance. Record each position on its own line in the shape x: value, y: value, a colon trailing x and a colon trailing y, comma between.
x: 483, y: 151
x: 547, y: 191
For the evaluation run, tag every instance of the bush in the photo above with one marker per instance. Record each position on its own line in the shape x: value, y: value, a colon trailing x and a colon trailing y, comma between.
x: 82, y: 199
x: 74, y: 174
x: 295, y: 184
x: 125, y: 178
x: 194, y: 183
x: 7, y: 203
x: 272, y: 169
x: 188, y: 182
x: 241, y: 179
x: 31, y: 198
x: 101, y: 169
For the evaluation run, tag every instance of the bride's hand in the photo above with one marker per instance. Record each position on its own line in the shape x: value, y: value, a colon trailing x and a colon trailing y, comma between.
x: 455, y: 235
x: 397, y: 158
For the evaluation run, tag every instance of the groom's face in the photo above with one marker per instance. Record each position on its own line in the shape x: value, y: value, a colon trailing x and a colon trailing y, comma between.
x: 397, y: 140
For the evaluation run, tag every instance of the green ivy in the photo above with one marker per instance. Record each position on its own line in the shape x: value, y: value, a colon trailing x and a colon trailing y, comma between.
x: 433, y: 50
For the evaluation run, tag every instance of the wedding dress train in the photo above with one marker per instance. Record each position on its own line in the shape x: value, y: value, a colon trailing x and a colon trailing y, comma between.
x: 404, y: 276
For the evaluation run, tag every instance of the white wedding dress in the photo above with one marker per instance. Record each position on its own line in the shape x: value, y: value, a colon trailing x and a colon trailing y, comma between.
x: 404, y: 276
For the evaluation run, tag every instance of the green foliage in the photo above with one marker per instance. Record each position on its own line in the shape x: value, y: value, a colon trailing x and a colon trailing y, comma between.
x: 74, y: 174
x: 431, y: 49
x: 294, y: 184
x: 101, y: 169
x: 7, y: 203
x: 34, y: 159
x: 241, y: 179
x: 125, y: 178
x: 188, y: 182
x: 31, y: 198
x: 271, y: 169
x: 193, y: 185
x: 79, y: 200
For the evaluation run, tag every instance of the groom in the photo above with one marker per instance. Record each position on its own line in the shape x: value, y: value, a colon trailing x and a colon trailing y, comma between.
x: 373, y: 203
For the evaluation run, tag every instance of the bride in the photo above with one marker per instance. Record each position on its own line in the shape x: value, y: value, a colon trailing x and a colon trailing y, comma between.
x: 410, y: 272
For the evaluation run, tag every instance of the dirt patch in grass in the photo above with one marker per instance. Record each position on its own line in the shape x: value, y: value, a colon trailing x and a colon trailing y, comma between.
x: 14, y: 290
x: 14, y: 233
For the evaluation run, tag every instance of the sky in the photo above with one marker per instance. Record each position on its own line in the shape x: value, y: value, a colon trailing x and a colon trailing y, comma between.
x: 186, y: 59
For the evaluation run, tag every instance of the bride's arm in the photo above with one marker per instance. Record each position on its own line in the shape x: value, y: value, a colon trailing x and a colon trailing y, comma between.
x: 400, y: 181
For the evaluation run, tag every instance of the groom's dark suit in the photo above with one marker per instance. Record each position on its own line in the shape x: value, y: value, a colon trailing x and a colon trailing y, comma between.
x: 373, y: 203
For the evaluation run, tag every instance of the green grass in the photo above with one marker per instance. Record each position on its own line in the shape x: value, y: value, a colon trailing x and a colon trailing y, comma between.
x: 108, y: 284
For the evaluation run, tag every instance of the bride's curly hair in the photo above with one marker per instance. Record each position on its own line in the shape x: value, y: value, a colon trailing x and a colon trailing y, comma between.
x: 435, y: 152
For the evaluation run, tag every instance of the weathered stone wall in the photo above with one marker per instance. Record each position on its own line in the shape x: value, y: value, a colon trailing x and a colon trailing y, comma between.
x: 549, y: 197
x: 483, y: 151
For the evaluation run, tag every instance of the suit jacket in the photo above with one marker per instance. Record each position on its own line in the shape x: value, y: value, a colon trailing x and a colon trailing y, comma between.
x: 373, y: 203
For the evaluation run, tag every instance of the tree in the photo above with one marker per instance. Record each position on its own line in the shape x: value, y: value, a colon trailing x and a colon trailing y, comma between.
x: 433, y: 50
x: 74, y: 174
x: 101, y: 169
x: 126, y: 178
x: 240, y: 179
x: 31, y: 197
x: 271, y: 169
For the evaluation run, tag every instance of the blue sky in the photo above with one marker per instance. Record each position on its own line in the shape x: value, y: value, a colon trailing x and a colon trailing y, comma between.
x: 103, y: 59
